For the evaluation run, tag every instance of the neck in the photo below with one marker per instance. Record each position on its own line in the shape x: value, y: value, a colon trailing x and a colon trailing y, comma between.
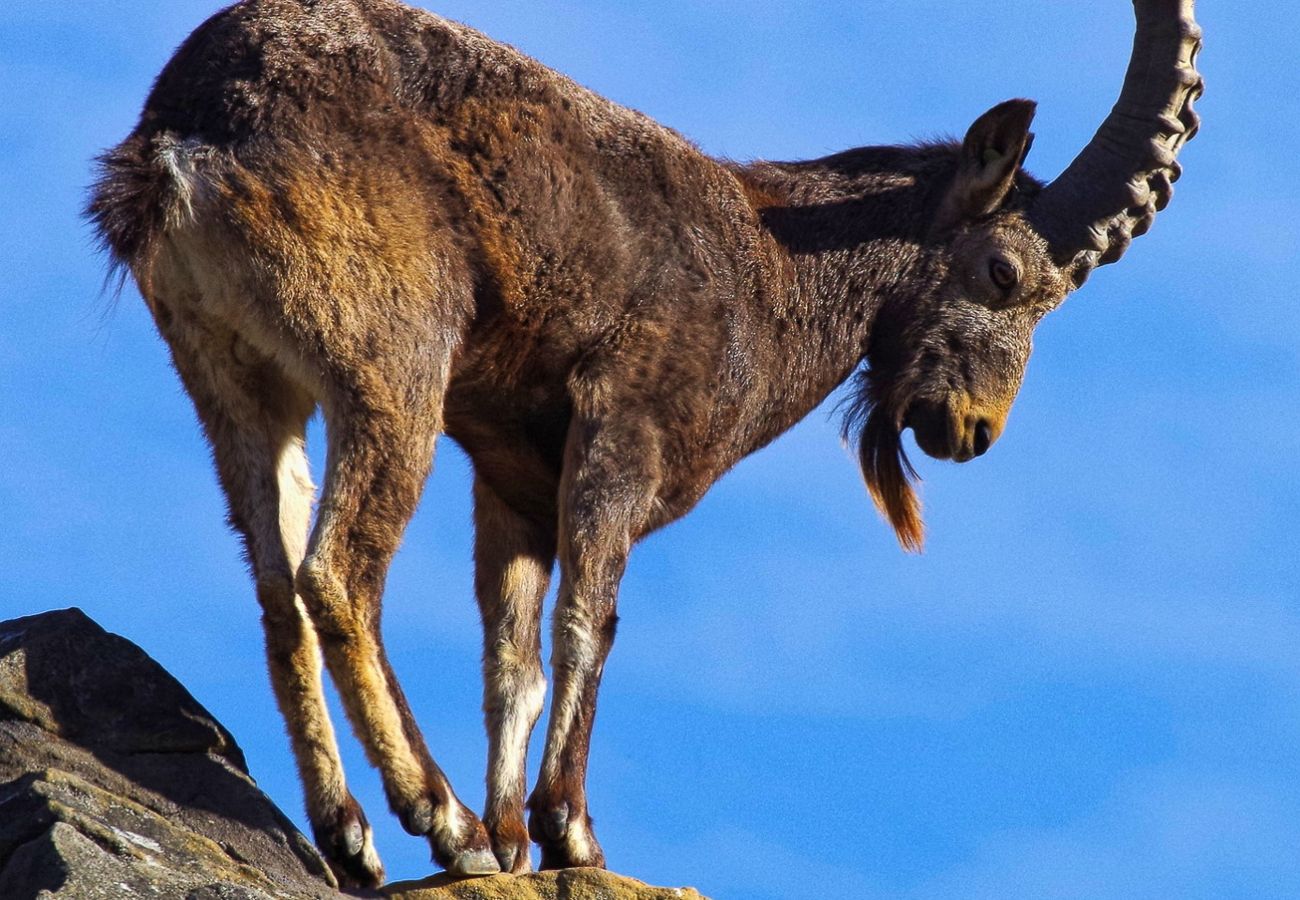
x: 852, y: 227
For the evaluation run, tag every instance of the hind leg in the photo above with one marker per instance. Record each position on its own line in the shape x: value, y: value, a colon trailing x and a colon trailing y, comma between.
x: 254, y: 417
x: 348, y: 276
x: 382, y: 428
x: 513, y: 556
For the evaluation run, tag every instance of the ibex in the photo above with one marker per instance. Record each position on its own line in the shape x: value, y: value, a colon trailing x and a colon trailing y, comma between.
x: 362, y: 207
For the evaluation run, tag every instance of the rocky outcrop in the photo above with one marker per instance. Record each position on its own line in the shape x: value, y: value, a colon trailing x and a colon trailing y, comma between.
x: 116, y: 783
x: 566, y: 884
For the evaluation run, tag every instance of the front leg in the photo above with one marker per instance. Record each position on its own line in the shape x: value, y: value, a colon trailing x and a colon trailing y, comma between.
x: 609, y: 483
x: 513, y: 555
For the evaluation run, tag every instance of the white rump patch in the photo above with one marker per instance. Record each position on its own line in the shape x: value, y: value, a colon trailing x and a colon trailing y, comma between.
x: 181, y: 158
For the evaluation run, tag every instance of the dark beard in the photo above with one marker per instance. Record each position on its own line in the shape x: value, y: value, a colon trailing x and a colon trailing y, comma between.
x: 885, y: 467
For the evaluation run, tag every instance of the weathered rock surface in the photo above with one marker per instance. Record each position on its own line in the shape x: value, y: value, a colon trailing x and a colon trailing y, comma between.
x: 116, y: 783
x: 566, y: 884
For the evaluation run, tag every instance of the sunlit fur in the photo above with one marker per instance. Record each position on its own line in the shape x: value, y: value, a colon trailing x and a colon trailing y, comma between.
x: 362, y: 208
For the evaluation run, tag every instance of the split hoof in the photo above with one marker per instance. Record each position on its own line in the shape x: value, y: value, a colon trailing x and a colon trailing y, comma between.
x: 346, y: 842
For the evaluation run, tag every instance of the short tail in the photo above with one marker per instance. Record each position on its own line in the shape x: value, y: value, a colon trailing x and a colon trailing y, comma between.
x: 138, y: 188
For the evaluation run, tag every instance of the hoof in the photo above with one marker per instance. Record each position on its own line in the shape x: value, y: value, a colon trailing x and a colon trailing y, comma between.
x: 510, y: 845
x: 514, y: 860
x: 474, y: 862
x: 566, y: 843
x: 348, y: 847
x: 563, y: 856
x: 460, y: 844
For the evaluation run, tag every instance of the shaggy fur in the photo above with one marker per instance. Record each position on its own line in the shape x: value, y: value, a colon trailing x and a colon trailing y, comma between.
x: 357, y: 207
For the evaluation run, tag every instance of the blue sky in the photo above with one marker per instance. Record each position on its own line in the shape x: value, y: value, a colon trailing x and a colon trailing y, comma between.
x: 1087, y: 686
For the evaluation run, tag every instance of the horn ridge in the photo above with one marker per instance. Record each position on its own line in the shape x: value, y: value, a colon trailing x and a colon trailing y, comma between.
x: 1112, y: 190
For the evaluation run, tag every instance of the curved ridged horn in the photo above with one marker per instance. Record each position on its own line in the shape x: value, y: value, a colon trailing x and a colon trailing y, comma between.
x: 1113, y: 189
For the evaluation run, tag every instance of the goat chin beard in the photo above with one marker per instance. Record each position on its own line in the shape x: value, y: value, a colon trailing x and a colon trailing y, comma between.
x: 890, y: 477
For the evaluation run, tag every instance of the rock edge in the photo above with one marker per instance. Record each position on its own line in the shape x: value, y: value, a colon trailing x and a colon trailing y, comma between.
x: 116, y: 783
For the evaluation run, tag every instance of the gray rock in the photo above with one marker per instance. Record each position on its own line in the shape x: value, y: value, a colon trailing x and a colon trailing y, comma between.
x: 116, y: 783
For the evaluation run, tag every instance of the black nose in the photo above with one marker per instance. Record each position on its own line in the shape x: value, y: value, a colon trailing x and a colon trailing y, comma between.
x: 983, y: 436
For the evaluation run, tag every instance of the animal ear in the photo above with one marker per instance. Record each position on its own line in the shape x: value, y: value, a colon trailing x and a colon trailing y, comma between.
x: 994, y: 148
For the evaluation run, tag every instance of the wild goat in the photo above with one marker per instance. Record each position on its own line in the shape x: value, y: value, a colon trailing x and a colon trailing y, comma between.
x: 360, y: 206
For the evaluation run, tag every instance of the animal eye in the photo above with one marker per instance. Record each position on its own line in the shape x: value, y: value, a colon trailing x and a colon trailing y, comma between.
x: 1003, y: 274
